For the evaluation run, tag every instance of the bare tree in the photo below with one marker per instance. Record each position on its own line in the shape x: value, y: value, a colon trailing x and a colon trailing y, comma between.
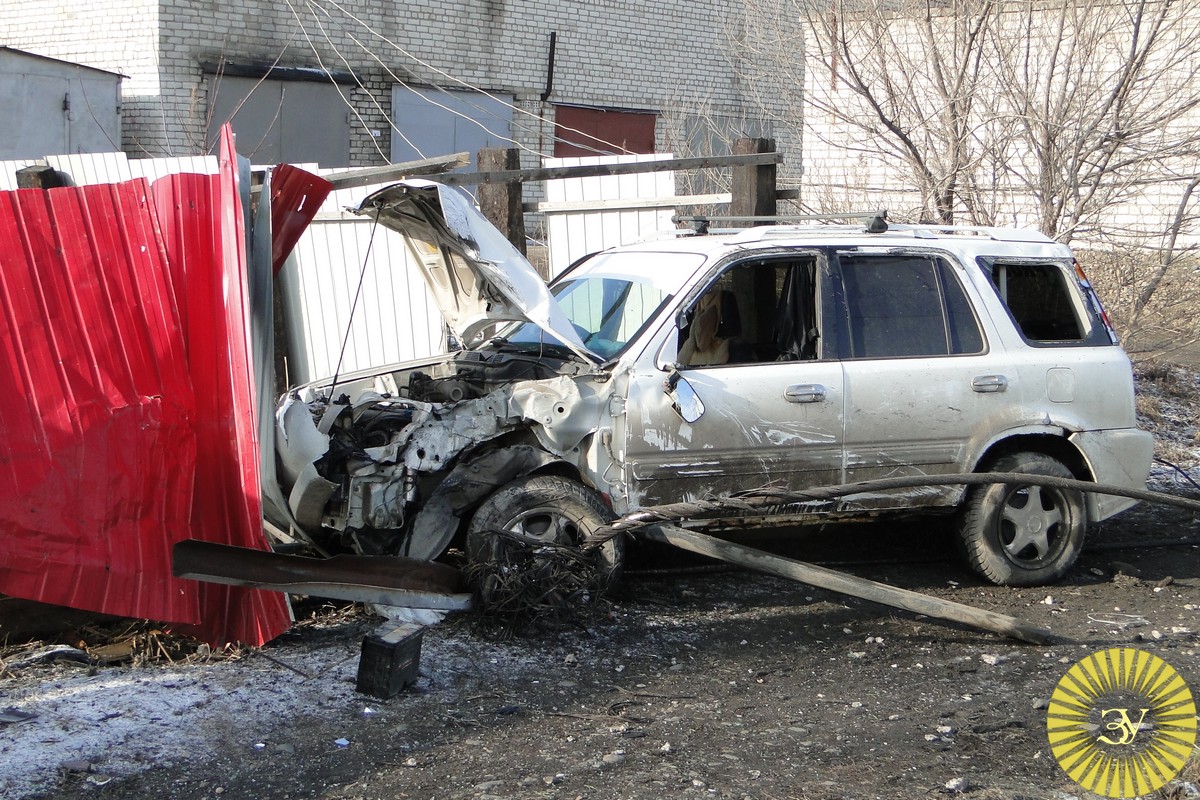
x: 1078, y: 117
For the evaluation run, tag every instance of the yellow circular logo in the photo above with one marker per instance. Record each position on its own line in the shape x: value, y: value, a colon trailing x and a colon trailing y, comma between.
x: 1121, y: 723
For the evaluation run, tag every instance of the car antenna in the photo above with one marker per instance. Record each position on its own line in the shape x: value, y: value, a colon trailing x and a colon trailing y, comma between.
x: 362, y: 273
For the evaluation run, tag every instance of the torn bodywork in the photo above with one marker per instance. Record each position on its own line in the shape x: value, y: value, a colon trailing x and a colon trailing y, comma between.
x: 394, y: 468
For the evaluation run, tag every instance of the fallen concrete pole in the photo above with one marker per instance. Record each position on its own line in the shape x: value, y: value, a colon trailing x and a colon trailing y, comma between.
x: 835, y: 581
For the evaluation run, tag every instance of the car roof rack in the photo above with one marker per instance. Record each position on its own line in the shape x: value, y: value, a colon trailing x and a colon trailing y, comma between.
x: 930, y: 231
x: 876, y: 222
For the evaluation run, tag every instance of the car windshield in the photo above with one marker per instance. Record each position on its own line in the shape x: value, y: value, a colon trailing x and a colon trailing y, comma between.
x: 610, y: 299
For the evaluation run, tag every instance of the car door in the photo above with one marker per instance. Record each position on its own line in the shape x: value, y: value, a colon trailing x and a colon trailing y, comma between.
x: 920, y: 384
x: 772, y: 404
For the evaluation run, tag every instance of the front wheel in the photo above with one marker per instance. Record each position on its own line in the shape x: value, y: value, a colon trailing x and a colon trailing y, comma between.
x: 544, y: 510
x: 1022, y: 534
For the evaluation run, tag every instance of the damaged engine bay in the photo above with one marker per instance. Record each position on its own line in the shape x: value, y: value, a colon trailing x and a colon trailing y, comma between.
x: 391, y: 440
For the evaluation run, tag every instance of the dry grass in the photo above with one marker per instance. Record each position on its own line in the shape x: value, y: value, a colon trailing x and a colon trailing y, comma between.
x: 1178, y: 789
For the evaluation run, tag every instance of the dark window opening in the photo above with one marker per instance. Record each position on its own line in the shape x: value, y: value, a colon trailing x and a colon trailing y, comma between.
x: 902, y: 306
x: 1039, y: 300
x: 756, y: 312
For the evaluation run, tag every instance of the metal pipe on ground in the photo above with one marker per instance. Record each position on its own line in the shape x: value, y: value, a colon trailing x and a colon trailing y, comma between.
x: 653, y: 524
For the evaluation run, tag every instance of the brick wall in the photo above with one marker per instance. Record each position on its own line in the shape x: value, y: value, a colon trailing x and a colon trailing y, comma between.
x: 660, y: 55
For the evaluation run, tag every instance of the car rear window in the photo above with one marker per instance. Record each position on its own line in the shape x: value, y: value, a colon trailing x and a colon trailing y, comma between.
x: 1036, y: 294
x: 1044, y: 304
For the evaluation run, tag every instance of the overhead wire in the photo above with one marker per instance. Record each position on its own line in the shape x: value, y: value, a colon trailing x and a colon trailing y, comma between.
x: 362, y: 274
x: 469, y: 86
x: 336, y: 86
x: 369, y: 94
x: 220, y: 75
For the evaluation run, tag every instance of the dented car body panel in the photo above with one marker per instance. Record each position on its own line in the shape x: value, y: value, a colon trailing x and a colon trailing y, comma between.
x: 697, y: 367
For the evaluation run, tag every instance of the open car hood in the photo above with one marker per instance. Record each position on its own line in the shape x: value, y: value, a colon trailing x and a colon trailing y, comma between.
x: 475, y: 274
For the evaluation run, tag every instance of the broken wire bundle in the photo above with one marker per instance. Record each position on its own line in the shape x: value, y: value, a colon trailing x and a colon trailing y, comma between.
x: 526, y: 580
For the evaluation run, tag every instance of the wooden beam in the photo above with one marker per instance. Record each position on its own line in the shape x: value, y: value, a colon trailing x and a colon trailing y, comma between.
x: 501, y: 202
x: 599, y: 170
x: 390, y: 173
x: 753, y: 186
x: 623, y: 205
x: 40, y: 176
x: 844, y: 583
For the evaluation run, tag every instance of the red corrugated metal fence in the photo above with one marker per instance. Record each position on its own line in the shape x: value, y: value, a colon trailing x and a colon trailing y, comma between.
x: 127, y: 419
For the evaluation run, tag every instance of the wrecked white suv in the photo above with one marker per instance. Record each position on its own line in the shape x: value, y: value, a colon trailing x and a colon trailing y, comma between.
x: 704, y: 365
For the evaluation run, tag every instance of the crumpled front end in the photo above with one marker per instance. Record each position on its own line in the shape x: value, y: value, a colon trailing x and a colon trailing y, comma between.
x: 381, y: 472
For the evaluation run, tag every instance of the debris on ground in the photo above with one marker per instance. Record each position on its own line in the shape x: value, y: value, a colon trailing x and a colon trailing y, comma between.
x: 528, y: 582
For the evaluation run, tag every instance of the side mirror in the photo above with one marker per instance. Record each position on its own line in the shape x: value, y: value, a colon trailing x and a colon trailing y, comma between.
x: 684, y: 399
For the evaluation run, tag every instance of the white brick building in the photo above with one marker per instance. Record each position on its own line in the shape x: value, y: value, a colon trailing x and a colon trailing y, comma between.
x: 330, y: 76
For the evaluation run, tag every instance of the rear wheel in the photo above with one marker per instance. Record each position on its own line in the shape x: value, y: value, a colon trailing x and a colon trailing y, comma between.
x: 544, y: 510
x: 1022, y: 534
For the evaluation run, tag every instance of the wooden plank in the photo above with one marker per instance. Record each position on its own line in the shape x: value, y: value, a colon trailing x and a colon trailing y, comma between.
x: 595, y: 170
x: 753, y: 186
x: 394, y: 172
x: 501, y: 202
x: 621, y: 205
x: 835, y: 581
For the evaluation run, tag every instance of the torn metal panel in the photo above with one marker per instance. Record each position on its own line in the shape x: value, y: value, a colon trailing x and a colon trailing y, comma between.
x: 295, y: 196
x: 439, y: 518
x: 379, y: 496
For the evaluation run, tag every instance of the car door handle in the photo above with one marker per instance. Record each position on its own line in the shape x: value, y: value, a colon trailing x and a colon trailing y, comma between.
x: 989, y: 383
x: 804, y: 393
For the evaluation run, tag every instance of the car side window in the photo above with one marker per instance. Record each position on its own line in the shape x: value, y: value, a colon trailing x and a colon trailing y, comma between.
x: 757, y: 311
x: 905, y: 305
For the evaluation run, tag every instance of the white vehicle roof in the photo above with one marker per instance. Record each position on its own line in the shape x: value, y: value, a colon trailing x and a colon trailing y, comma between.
x: 966, y: 242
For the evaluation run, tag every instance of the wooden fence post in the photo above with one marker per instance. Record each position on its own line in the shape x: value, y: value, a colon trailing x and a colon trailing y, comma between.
x: 40, y: 176
x: 501, y: 202
x: 754, y: 186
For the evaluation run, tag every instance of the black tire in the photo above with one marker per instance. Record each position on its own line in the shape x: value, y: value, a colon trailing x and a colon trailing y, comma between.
x: 553, y: 509
x: 1019, y: 534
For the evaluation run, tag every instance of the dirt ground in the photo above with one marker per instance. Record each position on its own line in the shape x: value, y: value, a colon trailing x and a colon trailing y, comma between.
x: 711, y: 683
x: 697, y: 682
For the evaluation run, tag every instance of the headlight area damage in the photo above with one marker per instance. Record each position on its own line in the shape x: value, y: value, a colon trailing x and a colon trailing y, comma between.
x: 381, y: 470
